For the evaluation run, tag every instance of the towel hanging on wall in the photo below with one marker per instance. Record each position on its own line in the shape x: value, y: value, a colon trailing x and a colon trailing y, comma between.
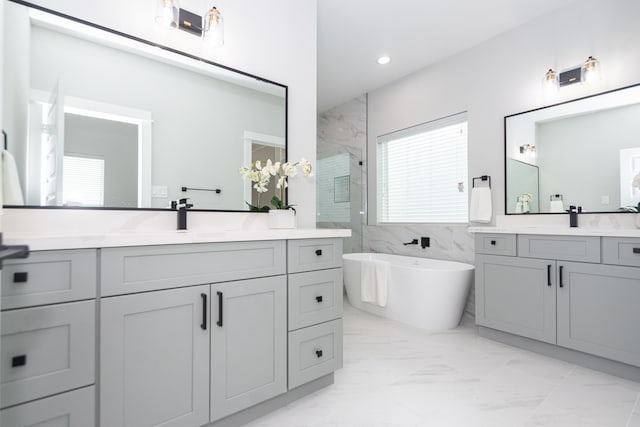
x: 480, y: 208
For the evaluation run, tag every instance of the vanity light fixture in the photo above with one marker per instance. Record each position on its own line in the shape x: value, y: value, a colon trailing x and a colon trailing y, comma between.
x: 528, y: 150
x: 209, y: 26
x: 588, y: 72
x: 383, y: 60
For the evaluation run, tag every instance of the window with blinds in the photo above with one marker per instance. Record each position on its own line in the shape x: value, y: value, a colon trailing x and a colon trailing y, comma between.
x: 83, y: 181
x: 422, y: 173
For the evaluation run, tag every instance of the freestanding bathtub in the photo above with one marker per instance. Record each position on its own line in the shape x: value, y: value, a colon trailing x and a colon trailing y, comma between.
x: 425, y: 293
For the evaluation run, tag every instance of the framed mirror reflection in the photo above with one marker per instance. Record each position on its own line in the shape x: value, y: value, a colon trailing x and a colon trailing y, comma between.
x: 584, y: 152
x: 97, y: 118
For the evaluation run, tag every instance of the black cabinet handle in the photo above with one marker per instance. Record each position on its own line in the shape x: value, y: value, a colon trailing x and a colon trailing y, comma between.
x: 204, y: 311
x: 18, y: 360
x: 549, y: 275
x: 636, y: 250
x: 318, y: 252
x: 493, y: 243
x: 318, y: 353
x: 560, y: 276
x: 219, y: 322
x: 20, y: 277
x: 319, y: 298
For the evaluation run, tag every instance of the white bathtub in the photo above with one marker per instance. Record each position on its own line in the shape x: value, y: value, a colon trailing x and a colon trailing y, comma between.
x: 425, y: 293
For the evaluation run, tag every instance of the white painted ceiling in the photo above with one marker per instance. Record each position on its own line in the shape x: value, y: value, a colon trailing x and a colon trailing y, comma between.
x: 352, y: 34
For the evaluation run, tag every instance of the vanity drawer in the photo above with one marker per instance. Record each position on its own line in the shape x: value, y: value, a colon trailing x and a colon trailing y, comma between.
x: 48, y: 277
x: 314, y: 351
x: 314, y: 297
x: 314, y: 254
x: 620, y: 251
x: 496, y: 244
x: 46, y: 350
x: 566, y: 248
x: 73, y: 409
x: 146, y: 268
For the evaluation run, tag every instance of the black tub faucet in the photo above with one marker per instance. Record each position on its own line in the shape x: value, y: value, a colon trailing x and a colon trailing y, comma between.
x: 182, y: 206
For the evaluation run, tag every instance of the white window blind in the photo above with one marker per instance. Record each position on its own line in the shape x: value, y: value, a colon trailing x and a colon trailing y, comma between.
x: 422, y: 173
x: 83, y: 181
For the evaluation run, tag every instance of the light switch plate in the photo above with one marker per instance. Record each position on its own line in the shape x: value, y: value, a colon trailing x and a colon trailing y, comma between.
x: 159, y: 191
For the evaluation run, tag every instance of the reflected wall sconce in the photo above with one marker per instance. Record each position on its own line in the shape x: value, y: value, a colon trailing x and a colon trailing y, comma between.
x: 209, y: 26
x: 588, y: 72
x: 528, y: 150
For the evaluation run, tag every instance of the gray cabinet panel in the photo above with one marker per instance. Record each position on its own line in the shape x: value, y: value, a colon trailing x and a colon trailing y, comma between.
x: 154, y: 359
x: 567, y: 248
x: 248, y: 343
x: 135, y: 269
x: 496, y: 244
x: 599, y: 310
x: 314, y: 297
x: 48, y: 277
x: 620, y: 251
x: 314, y: 254
x: 46, y: 350
x: 314, y: 351
x: 517, y: 295
x: 72, y: 409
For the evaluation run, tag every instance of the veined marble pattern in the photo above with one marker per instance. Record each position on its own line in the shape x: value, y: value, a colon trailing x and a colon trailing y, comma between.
x: 398, y: 376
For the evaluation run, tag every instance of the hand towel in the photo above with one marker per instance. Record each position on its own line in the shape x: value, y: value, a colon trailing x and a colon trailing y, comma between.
x: 556, y: 206
x: 12, y: 194
x: 480, y: 209
x: 374, y: 281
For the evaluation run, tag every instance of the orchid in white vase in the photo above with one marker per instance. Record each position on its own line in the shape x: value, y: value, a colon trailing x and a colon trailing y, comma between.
x: 260, y: 174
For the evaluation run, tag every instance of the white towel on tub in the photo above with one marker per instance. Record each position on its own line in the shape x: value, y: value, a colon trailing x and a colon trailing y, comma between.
x: 374, y: 281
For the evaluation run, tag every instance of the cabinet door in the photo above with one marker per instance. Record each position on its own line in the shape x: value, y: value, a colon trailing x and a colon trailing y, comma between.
x: 248, y: 343
x: 155, y: 359
x: 598, y: 310
x: 517, y: 295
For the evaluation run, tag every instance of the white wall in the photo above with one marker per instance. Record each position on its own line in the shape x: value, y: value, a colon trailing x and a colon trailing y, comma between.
x: 275, y: 40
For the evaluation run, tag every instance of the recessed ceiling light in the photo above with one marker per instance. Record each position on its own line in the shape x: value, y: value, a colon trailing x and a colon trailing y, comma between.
x: 384, y: 60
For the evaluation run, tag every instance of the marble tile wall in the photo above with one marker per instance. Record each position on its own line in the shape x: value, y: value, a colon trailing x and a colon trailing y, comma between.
x: 346, y: 126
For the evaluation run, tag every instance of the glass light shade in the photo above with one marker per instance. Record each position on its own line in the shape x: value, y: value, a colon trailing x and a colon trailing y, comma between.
x: 591, y: 70
x: 213, y: 27
x: 550, y: 81
x: 167, y: 14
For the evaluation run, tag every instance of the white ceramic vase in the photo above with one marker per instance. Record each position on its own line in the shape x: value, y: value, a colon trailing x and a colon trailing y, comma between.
x: 282, y: 218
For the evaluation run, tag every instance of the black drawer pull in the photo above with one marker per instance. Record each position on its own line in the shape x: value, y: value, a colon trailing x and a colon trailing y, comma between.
x: 549, y: 275
x: 636, y: 250
x: 319, y: 298
x: 318, y: 252
x: 318, y: 353
x: 18, y: 360
x: 20, y: 277
x: 203, y: 325
x: 560, y: 276
x: 493, y: 243
x: 219, y: 322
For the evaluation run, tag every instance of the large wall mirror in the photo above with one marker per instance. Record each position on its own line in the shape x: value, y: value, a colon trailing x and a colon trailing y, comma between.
x: 95, y: 118
x: 584, y: 152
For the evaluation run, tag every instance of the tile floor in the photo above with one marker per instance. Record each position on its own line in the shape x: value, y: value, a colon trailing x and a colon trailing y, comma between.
x: 399, y: 376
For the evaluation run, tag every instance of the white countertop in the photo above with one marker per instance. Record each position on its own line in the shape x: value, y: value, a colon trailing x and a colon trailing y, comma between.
x: 38, y: 242
x: 559, y: 231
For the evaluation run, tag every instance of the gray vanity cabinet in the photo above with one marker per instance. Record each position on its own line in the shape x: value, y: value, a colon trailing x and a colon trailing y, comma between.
x: 248, y: 343
x: 517, y: 295
x: 541, y: 291
x: 598, y: 310
x: 154, y: 356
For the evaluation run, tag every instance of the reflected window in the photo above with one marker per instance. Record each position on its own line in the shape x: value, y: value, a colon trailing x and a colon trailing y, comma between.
x: 83, y: 181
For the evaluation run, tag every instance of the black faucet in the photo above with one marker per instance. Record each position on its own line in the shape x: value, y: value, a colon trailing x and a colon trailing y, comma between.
x: 182, y: 206
x: 573, y: 215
